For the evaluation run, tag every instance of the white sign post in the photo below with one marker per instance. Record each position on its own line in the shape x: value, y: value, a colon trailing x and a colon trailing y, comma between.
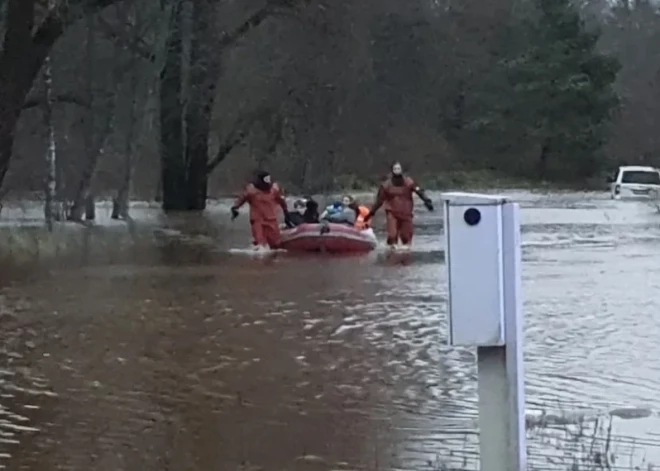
x: 483, y: 257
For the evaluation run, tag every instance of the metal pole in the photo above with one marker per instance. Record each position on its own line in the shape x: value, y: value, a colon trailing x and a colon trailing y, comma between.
x: 500, y: 369
x: 513, y: 317
x: 493, y: 411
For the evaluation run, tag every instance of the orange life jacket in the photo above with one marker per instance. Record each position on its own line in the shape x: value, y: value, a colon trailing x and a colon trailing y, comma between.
x: 360, y: 222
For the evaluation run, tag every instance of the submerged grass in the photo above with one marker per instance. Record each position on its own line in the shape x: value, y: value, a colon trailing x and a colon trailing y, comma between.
x: 584, y: 445
x: 28, y: 243
x: 35, y: 244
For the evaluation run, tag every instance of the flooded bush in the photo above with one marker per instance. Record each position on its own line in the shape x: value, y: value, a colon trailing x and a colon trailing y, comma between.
x: 20, y: 245
x: 29, y: 243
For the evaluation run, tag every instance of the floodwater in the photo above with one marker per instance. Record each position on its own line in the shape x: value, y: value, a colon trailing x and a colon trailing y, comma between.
x: 160, y: 349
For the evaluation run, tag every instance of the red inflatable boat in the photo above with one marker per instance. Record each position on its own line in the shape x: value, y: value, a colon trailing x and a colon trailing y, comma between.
x: 335, y: 238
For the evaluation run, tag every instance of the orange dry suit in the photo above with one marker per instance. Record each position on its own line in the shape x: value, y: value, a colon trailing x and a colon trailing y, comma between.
x: 396, y: 193
x: 263, y: 212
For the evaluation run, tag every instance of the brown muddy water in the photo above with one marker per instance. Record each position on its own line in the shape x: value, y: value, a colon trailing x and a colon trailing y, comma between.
x: 159, y: 348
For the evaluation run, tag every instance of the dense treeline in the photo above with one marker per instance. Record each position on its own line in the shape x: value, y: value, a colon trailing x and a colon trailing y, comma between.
x: 182, y: 99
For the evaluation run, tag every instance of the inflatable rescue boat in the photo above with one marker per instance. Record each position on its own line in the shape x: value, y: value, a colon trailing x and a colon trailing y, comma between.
x: 328, y: 237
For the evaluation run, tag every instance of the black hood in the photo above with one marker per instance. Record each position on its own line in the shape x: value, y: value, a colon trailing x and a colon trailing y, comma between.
x: 397, y: 180
x: 312, y: 205
x: 259, y: 181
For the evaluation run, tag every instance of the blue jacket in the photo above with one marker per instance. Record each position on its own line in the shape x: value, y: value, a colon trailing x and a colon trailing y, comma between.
x: 334, y: 208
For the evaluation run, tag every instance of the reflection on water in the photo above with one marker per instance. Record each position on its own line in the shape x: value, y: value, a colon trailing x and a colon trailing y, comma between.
x: 158, y: 348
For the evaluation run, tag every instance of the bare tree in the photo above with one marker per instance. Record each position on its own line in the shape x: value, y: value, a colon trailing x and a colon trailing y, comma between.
x: 185, y: 131
x: 28, y: 39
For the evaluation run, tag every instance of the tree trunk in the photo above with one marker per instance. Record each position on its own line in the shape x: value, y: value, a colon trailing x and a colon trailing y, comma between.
x: 185, y: 158
x: 121, y: 202
x: 158, y: 198
x: 95, y: 153
x: 543, y: 160
x: 14, y: 88
x: 90, y: 208
x: 204, y: 72
x: 185, y: 165
x: 82, y: 191
x: 9, y: 114
x: 51, y: 155
x: 173, y: 174
x: 15, y: 75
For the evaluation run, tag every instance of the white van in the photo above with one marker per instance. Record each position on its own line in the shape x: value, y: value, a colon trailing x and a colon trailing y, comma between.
x: 635, y: 182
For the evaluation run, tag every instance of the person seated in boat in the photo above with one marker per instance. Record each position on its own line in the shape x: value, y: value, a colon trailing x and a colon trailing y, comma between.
x: 311, y: 214
x: 305, y: 211
x: 361, y: 212
x: 360, y: 220
x: 340, y: 212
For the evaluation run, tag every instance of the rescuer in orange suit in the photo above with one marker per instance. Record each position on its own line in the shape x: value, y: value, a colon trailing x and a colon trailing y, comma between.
x: 396, y: 193
x: 264, y: 197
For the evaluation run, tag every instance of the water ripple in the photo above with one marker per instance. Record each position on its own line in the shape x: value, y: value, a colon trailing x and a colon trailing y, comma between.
x: 180, y: 356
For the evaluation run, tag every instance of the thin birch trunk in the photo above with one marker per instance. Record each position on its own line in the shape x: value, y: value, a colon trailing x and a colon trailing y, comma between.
x: 51, y: 153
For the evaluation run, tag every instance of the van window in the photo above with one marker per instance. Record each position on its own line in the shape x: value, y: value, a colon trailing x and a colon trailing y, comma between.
x: 641, y: 177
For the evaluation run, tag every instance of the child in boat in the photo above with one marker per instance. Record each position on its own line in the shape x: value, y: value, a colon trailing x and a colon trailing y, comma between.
x: 361, y: 212
x: 305, y: 211
x: 340, y: 212
x: 311, y: 214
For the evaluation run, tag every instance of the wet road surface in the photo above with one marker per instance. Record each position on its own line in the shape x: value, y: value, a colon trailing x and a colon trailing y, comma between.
x: 160, y: 349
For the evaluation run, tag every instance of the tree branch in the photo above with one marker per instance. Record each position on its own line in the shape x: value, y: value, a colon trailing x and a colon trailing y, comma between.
x: 232, y: 141
x: 62, y: 98
x: 63, y: 16
x: 252, y: 22
x: 276, y: 136
x: 139, y: 47
x: 53, y: 26
x: 228, y: 40
x: 241, y: 129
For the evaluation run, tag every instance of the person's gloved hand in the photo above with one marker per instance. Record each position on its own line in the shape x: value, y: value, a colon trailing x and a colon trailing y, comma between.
x: 429, y: 204
x: 234, y: 213
x: 287, y: 220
